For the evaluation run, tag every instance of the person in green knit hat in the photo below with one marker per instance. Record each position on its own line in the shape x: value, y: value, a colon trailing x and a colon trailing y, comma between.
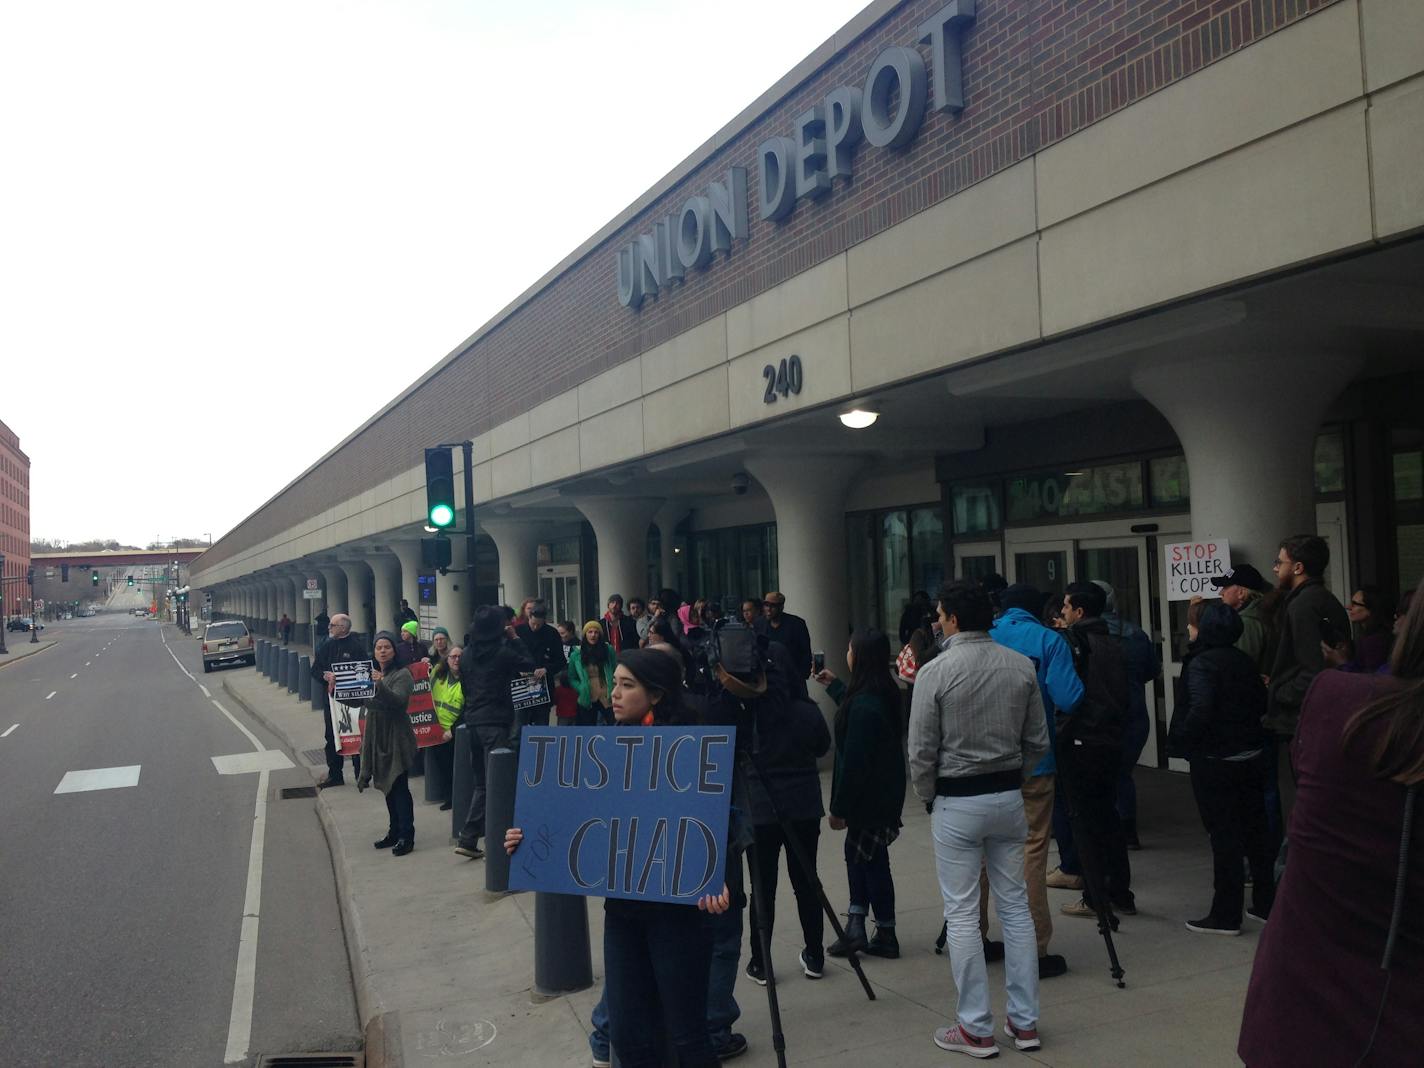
x: 410, y: 648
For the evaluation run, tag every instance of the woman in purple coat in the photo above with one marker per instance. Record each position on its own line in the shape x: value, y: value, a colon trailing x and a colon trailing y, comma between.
x: 1325, y: 988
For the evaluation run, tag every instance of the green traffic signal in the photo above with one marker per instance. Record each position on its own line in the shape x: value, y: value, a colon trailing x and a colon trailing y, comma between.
x: 439, y: 488
x: 130, y: 580
x: 94, y: 578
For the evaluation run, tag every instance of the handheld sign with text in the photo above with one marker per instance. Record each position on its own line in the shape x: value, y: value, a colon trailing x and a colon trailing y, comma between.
x: 347, y: 723
x: 1191, y: 565
x: 630, y: 812
x: 351, y: 681
x: 528, y: 692
x: 421, y: 707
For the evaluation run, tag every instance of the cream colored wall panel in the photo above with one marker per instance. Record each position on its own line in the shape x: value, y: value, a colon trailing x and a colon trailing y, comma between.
x: 612, y: 437
x: 484, y: 482
x: 686, y: 411
x: 799, y: 302
x: 1396, y: 118
x: 481, y: 449
x: 978, y: 307
x: 979, y: 219
x: 554, y: 414
x: 1298, y: 195
x: 690, y: 353
x: 615, y: 386
x: 1289, y: 76
x: 825, y: 362
x: 555, y: 456
x: 510, y: 435
x: 894, y: 488
x: 1394, y: 40
x: 509, y: 472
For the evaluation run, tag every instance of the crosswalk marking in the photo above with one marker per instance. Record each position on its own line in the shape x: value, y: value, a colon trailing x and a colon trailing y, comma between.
x: 98, y: 779
x: 245, y: 763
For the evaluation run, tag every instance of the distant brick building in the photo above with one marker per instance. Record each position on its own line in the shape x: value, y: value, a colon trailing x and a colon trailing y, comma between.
x: 14, y: 518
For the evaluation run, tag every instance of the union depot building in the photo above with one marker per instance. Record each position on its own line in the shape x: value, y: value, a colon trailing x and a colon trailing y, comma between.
x: 1038, y: 288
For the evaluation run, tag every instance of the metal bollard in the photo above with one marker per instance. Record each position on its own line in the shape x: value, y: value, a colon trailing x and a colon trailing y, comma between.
x: 501, y: 771
x: 271, y: 671
x: 462, y: 783
x: 261, y: 656
x: 304, y: 679
x: 294, y: 668
x: 437, y: 782
x: 562, y: 961
x: 279, y: 674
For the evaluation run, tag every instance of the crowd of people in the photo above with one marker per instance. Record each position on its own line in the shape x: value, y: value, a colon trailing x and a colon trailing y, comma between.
x: 1302, y: 721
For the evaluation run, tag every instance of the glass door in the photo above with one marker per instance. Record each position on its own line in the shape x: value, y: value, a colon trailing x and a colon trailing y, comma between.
x: 975, y: 559
x: 1044, y: 565
x: 559, y: 589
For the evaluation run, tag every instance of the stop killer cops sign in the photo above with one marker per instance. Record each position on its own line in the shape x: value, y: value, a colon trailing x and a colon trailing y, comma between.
x: 1191, y: 565
x: 630, y: 812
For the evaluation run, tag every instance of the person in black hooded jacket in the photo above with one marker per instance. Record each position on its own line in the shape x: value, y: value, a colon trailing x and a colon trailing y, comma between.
x: 1218, y: 728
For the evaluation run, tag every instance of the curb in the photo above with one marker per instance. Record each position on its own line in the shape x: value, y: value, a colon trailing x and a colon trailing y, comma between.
x: 15, y: 658
x: 380, y: 1031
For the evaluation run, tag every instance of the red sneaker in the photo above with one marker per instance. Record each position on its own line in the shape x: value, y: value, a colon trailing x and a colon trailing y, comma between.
x: 957, y: 1040
x: 1024, y: 1037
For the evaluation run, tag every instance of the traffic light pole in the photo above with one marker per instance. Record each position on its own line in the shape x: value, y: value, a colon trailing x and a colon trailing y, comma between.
x: 467, y: 449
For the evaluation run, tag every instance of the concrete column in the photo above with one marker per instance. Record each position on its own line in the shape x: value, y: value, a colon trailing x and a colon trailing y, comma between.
x: 621, y: 526
x: 407, y: 553
x: 386, y: 570
x: 666, y: 518
x: 287, y: 595
x: 808, y: 496
x: 358, y: 594
x: 454, y: 607
x: 303, y: 615
x: 334, y: 583
x: 1247, y: 422
x: 517, y: 541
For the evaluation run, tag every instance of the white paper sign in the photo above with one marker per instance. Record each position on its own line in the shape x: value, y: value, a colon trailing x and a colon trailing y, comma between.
x: 1191, y: 565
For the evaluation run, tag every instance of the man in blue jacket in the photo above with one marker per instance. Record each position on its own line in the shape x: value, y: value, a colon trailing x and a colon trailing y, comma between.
x: 1018, y: 628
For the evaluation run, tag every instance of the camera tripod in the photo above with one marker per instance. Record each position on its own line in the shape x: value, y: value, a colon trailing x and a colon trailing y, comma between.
x: 747, y: 763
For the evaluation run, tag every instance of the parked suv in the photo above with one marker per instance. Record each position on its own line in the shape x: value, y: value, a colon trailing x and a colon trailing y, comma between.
x: 227, y: 642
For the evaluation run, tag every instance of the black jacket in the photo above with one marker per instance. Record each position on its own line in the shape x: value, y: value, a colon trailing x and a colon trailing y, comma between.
x: 1298, y: 658
x: 627, y: 632
x: 333, y: 651
x: 487, y: 669
x: 408, y: 653
x: 791, y: 734
x: 545, y: 648
x: 1100, y: 718
x: 795, y: 636
x: 1221, y: 699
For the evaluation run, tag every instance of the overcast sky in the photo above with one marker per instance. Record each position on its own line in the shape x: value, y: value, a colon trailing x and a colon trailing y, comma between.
x: 230, y: 232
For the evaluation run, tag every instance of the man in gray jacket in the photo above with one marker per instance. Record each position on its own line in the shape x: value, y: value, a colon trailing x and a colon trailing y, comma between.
x: 977, y: 726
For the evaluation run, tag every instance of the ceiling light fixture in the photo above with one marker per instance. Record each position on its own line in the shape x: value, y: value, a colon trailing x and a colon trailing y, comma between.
x: 858, y: 418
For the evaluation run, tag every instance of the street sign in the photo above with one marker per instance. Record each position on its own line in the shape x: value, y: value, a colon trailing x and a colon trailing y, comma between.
x: 313, y: 584
x: 311, y: 595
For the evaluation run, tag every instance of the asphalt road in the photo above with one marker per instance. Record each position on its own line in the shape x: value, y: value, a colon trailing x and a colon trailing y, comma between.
x: 123, y: 907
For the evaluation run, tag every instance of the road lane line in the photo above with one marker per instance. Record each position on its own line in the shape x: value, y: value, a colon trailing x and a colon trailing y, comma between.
x: 239, y: 1028
x: 9, y: 732
x: 51, y: 694
x: 86, y: 663
x: 206, y: 694
x: 75, y: 675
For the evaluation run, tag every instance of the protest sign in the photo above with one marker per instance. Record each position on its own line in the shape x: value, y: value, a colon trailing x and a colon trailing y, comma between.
x: 421, y: 708
x: 638, y: 813
x: 347, y: 723
x: 528, y: 692
x: 1191, y: 565
x: 351, y: 681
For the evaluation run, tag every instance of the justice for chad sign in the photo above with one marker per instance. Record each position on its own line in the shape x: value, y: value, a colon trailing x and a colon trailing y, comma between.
x: 1191, y: 565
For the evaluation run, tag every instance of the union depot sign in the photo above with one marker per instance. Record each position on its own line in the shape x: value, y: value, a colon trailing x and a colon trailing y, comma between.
x: 885, y: 111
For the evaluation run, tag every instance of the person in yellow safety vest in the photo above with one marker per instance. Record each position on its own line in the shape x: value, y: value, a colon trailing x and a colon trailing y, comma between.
x: 449, y: 705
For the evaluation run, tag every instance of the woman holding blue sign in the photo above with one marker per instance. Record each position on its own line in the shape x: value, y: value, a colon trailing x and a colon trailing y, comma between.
x: 388, y: 745
x: 656, y: 955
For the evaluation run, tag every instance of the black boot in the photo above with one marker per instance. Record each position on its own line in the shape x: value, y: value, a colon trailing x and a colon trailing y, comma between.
x: 884, y: 944
x: 402, y: 847
x: 389, y: 840
x: 853, y: 939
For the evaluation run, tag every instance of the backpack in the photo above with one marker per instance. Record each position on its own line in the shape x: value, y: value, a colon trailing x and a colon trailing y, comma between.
x: 1101, y: 717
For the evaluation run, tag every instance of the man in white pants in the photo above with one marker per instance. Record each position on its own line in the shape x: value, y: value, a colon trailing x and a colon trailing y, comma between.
x: 976, y: 727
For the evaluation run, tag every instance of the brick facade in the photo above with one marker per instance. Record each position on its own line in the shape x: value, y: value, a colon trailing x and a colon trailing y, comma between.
x: 1034, y: 73
x: 14, y: 520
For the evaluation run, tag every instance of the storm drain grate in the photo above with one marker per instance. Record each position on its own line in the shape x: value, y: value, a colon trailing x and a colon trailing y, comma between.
x: 315, y: 757
x: 311, y: 1060
x: 287, y: 794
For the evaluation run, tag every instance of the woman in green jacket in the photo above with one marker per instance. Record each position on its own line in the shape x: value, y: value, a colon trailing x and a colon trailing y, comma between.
x: 388, y: 745
x: 591, y: 667
x: 868, y: 789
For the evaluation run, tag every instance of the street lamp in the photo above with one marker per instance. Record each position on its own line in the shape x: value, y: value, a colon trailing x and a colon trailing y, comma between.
x: 3, y: 650
x: 34, y: 620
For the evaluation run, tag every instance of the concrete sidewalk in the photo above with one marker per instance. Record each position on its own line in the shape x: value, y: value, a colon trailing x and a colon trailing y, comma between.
x: 444, y: 971
x: 17, y: 650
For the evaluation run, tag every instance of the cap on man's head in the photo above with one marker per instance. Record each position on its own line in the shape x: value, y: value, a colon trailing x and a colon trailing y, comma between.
x: 1245, y: 575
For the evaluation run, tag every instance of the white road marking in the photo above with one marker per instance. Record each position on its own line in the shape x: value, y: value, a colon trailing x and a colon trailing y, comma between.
x: 75, y: 675
x: 9, y: 732
x: 51, y: 694
x: 205, y: 691
x: 246, y: 763
x: 87, y: 663
x: 250, y: 736
x: 239, y: 1027
x: 98, y: 779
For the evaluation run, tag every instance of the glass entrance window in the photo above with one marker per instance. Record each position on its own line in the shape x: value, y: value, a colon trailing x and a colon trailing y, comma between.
x: 977, y: 567
x: 894, y: 568
x: 1047, y: 570
x: 1118, y: 567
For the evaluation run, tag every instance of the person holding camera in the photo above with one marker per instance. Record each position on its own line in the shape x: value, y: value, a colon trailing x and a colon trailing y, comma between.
x: 977, y: 727
x: 868, y: 789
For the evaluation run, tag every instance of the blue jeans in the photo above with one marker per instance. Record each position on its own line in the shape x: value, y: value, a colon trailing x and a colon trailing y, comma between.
x: 657, y: 960
x: 871, y: 885
x: 987, y: 830
x: 722, y: 1008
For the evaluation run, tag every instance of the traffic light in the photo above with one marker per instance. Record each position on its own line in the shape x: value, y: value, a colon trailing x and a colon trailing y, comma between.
x: 130, y: 580
x: 439, y: 488
x: 94, y: 578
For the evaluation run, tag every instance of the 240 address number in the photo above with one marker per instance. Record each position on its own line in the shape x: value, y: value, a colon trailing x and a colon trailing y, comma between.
x: 782, y: 380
